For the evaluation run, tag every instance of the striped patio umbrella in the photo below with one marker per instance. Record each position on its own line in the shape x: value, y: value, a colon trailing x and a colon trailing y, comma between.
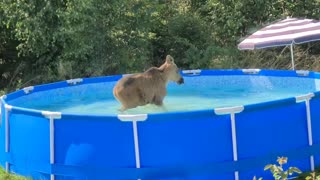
x: 285, y: 32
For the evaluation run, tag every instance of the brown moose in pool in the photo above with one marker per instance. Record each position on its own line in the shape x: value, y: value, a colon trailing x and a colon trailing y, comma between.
x: 149, y: 87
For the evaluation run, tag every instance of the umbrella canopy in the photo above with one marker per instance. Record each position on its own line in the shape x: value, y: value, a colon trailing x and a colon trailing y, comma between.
x: 282, y: 33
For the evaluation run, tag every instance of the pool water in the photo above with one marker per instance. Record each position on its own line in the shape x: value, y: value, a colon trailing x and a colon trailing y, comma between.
x: 205, y: 93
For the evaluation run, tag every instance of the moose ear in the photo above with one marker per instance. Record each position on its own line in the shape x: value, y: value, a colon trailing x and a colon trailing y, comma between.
x: 169, y: 59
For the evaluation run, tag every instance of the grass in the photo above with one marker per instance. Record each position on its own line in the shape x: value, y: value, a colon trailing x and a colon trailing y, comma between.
x: 305, y: 174
x: 6, y: 176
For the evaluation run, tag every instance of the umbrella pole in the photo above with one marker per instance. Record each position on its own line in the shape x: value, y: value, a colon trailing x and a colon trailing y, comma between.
x: 292, y: 58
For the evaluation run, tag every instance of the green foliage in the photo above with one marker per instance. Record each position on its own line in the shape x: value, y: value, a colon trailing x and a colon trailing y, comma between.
x: 10, y: 64
x: 278, y: 172
x: 187, y: 40
x: 45, y: 41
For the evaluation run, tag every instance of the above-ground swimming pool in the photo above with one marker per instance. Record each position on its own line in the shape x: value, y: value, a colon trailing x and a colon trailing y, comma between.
x: 221, y: 124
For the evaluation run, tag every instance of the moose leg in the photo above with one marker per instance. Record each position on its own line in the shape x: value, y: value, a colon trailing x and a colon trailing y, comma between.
x: 157, y: 100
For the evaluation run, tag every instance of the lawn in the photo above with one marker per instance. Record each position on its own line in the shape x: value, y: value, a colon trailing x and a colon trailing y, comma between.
x: 7, y: 176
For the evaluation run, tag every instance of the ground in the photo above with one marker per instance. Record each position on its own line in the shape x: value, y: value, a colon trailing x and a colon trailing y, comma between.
x: 6, y: 176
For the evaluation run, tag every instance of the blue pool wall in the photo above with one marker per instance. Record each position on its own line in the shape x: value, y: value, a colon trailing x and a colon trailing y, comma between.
x: 176, y: 145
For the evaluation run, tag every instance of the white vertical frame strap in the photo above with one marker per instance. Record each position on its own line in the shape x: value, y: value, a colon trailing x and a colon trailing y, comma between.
x: 232, y: 111
x: 307, y: 98
x: 7, y: 133
x: 136, y: 143
x: 134, y: 119
x: 7, y: 127
x: 52, y: 116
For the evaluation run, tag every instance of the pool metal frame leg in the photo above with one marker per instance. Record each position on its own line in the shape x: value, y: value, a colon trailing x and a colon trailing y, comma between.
x: 234, y: 142
x: 306, y: 98
x: 7, y: 134
x: 309, y: 125
x: 52, y: 177
x: 7, y: 127
x: 51, y: 116
x: 136, y: 143
x: 134, y: 119
x: 232, y: 111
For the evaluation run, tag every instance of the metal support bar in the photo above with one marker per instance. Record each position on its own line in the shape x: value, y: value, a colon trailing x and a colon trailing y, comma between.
x: 52, y: 116
x: 292, y: 58
x: 232, y: 111
x: 51, y: 140
x: 309, y: 131
x: 136, y: 143
x: 307, y: 98
x: 134, y: 119
x: 7, y: 127
x: 7, y: 167
x: 234, y: 142
x: 7, y: 133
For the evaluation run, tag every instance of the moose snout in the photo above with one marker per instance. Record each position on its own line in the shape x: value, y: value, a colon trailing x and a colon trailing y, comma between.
x: 181, y: 81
